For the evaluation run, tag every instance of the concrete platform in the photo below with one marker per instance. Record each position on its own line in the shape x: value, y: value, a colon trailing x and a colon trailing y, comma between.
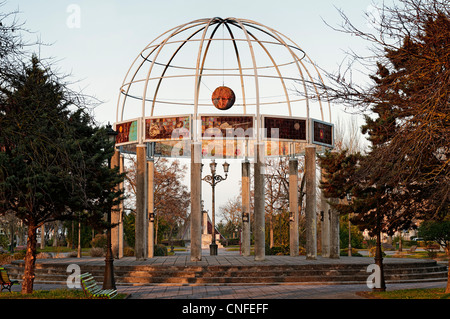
x: 233, y: 269
x: 229, y: 260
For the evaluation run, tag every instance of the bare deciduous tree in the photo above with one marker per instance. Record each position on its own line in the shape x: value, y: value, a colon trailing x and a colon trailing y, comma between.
x: 406, y: 174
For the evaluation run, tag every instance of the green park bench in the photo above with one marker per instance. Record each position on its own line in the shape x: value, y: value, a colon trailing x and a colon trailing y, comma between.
x: 92, y: 290
x: 5, y: 281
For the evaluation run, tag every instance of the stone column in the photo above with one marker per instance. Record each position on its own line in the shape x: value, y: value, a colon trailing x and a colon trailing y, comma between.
x: 245, y: 238
x: 326, y: 238
x: 120, y: 226
x: 206, y: 238
x: 150, y: 205
x: 293, y: 206
x: 310, y: 209
x: 115, y: 211
x: 259, y: 227
x: 196, y: 208
x: 334, y: 233
x: 205, y: 222
x: 325, y: 221
x: 141, y: 203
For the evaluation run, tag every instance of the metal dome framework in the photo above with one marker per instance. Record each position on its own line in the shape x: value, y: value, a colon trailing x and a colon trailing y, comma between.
x: 165, y: 101
x: 177, y: 72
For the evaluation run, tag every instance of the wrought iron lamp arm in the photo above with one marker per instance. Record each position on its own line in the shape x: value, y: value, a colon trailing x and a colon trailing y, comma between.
x: 213, y: 180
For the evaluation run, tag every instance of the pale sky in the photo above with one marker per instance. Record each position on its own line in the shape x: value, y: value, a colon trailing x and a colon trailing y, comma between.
x: 98, y: 48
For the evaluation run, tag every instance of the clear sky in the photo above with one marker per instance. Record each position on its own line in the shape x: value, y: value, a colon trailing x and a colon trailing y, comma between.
x: 98, y: 48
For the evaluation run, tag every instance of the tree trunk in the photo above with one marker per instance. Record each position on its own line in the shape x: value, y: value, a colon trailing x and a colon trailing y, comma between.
x: 379, y: 255
x: 79, y: 240
x: 43, y: 236
x: 30, y: 261
x: 379, y: 259
x: 447, y: 289
x: 156, y: 230
x: 171, y: 240
x: 55, y: 234
x: 11, y: 247
x: 271, y: 230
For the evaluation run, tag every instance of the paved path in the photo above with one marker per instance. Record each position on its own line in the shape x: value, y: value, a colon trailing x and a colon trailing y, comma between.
x: 249, y: 292
x: 260, y: 291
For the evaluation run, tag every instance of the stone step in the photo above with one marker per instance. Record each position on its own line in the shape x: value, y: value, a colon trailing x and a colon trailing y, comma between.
x: 231, y: 271
x: 209, y: 275
x: 55, y: 278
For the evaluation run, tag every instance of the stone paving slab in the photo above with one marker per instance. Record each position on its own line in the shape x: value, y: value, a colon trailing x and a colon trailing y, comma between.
x: 249, y: 292
x: 261, y: 291
x: 226, y: 260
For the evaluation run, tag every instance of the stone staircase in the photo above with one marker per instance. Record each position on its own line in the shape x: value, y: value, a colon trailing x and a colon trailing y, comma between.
x: 52, y: 273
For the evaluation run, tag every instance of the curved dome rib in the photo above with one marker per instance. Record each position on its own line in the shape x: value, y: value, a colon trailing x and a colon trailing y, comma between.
x: 288, y: 102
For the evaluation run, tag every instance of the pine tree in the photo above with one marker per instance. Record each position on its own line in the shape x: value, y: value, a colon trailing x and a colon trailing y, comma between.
x: 52, y: 159
x: 414, y: 89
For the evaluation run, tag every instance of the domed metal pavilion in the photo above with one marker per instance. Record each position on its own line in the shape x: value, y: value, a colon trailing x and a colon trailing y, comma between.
x: 221, y: 88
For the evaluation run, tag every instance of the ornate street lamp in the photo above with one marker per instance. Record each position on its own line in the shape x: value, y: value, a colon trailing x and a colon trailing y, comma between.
x: 213, y: 180
x: 108, y: 277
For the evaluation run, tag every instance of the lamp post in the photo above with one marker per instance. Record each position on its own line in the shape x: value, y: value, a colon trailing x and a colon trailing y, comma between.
x: 108, y: 277
x: 213, y: 180
x: 349, y: 199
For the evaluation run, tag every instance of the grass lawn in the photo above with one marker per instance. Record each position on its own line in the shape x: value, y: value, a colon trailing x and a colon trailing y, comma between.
x: 430, y: 293
x: 51, y: 294
x: 232, y: 248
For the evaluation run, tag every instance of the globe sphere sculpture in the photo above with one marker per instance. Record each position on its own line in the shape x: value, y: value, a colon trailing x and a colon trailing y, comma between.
x: 223, y: 98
